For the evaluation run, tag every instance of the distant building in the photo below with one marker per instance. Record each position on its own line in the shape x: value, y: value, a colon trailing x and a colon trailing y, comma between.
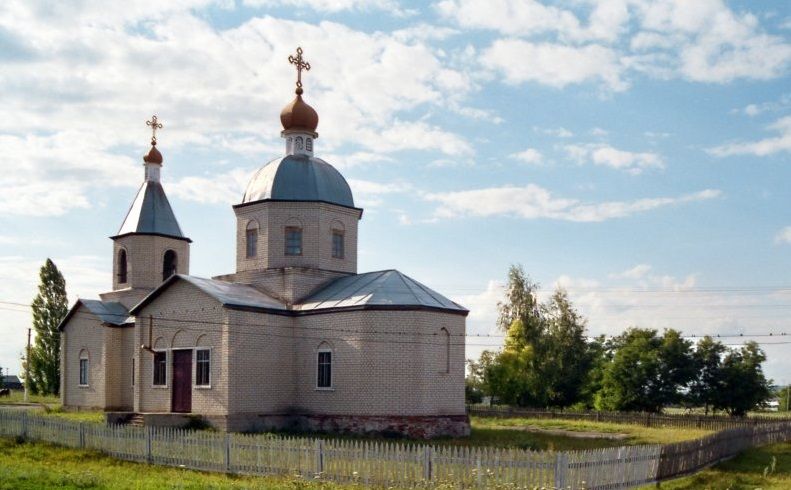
x: 12, y: 382
x: 295, y: 337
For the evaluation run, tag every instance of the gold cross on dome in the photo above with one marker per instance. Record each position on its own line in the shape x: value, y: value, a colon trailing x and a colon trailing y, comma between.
x: 301, y: 65
x: 154, y: 126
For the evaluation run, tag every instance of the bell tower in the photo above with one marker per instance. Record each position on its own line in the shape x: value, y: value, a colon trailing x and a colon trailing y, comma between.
x: 150, y: 246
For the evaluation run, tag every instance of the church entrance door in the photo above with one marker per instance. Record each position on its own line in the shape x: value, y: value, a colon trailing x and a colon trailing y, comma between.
x: 182, y: 381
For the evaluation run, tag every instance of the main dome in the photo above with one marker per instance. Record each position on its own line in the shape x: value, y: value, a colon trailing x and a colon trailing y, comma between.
x: 299, y: 178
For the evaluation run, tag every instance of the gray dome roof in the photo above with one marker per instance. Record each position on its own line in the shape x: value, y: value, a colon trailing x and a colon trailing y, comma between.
x: 299, y: 178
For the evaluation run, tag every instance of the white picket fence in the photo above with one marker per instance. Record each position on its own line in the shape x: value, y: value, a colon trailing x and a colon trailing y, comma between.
x: 387, y: 464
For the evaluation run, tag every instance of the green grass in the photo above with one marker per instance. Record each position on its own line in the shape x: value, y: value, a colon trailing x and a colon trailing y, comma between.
x: 18, y: 397
x: 93, y: 416
x: 510, y: 433
x: 744, y: 472
x: 38, y: 465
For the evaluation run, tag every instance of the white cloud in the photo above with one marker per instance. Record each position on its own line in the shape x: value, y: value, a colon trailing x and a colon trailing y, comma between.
x: 533, y: 202
x: 702, y: 40
x: 767, y: 146
x: 371, y: 194
x: 784, y: 235
x: 224, y: 188
x: 597, y: 131
x: 636, y: 272
x: 603, y: 154
x: 530, y: 155
x: 554, y: 64
x: 333, y: 5
x: 559, y: 132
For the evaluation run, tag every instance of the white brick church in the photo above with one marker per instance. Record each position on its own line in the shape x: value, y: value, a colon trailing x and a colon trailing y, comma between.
x: 294, y: 338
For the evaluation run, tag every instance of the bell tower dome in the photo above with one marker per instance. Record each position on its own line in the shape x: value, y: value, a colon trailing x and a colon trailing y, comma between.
x: 149, y: 246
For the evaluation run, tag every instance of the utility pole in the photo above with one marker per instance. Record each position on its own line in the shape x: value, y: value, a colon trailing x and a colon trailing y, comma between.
x: 27, y: 367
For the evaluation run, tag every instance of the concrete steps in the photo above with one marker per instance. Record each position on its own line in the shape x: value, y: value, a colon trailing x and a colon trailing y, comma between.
x: 137, y: 420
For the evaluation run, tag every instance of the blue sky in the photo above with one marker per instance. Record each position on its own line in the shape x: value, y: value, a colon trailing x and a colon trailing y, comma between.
x: 634, y: 152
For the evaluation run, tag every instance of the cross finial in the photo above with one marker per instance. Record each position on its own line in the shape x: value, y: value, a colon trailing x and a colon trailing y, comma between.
x: 154, y: 126
x: 301, y: 65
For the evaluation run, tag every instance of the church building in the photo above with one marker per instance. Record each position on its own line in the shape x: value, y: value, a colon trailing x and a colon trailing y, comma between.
x: 295, y: 338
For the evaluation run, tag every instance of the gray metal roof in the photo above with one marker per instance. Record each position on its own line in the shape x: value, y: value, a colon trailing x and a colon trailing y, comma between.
x: 299, y: 178
x: 151, y: 213
x: 110, y: 312
x: 388, y: 288
x: 233, y: 294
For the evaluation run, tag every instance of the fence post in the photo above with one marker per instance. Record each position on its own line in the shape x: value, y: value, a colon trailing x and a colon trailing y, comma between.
x: 478, y: 471
x: 82, y: 435
x: 561, y: 466
x: 226, y: 454
x: 24, y: 425
x: 319, y: 452
x: 427, y: 470
x: 149, y: 453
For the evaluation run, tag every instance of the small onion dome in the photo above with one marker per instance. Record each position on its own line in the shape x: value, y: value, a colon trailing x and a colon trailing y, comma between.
x: 154, y: 156
x: 298, y: 115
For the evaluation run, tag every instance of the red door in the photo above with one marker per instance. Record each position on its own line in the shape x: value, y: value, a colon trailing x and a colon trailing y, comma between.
x: 182, y: 381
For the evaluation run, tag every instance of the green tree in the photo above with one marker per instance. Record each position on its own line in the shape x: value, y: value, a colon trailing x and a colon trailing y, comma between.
x: 566, y: 357
x: 707, y: 384
x: 2, y: 379
x: 783, y: 395
x: 49, y: 307
x: 744, y: 385
x: 647, y: 372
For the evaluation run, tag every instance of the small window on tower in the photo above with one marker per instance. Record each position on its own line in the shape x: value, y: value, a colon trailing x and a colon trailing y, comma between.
x: 293, y: 240
x: 122, y: 265
x: 298, y: 143
x: 337, y: 244
x: 309, y: 144
x: 251, y: 239
x: 169, y: 264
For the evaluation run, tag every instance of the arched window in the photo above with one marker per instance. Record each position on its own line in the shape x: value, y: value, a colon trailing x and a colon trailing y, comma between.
x: 309, y: 144
x: 84, y: 368
x: 251, y: 238
x: 169, y: 264
x: 293, y: 240
x: 122, y: 266
x: 324, y: 364
x: 444, y: 365
x: 298, y: 143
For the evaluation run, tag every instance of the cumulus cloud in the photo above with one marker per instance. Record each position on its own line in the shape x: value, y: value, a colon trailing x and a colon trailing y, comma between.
x: 636, y: 272
x: 218, y: 188
x: 74, y: 105
x: 784, y: 235
x: 534, y: 202
x: 530, y: 155
x: 764, y: 147
x: 554, y: 64
x: 603, y: 154
x: 703, y: 41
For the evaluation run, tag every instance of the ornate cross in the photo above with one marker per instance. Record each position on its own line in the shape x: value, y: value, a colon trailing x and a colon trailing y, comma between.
x: 301, y: 65
x: 154, y: 126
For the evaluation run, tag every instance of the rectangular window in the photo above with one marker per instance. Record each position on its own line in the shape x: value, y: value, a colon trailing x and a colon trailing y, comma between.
x: 337, y: 244
x: 293, y: 240
x: 202, y: 367
x: 325, y: 370
x: 133, y: 371
x: 83, y: 372
x: 252, y: 243
x: 160, y: 368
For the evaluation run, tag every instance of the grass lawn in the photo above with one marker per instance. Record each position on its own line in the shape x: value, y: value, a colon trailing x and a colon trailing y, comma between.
x: 18, y: 397
x: 38, y: 465
x: 744, y: 472
x: 510, y: 433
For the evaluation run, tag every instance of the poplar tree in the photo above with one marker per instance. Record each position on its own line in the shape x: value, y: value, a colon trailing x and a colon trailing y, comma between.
x: 49, y: 307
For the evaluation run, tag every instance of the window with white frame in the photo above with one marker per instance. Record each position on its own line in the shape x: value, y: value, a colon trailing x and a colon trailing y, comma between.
x: 202, y: 367
x: 324, y: 379
x: 84, y: 368
x: 160, y: 368
x: 293, y: 240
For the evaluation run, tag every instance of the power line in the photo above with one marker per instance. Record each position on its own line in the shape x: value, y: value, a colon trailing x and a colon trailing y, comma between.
x: 436, y: 336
